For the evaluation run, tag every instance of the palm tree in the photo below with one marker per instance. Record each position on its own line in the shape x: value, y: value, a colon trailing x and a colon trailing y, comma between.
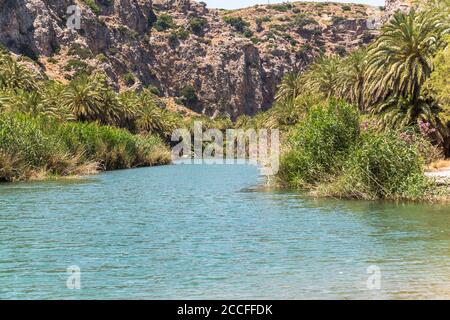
x: 51, y: 101
x: 129, y: 108
x: 397, y: 112
x: 289, y: 89
x: 110, y: 108
x: 27, y: 102
x: 5, y: 100
x: 152, y: 119
x: 14, y: 75
x: 398, y: 65
x: 351, y: 79
x: 243, y: 122
x: 322, y: 76
x: 400, y: 60
x: 83, y: 99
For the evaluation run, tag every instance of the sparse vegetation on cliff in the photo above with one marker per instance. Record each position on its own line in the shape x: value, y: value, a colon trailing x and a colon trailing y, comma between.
x: 261, y: 42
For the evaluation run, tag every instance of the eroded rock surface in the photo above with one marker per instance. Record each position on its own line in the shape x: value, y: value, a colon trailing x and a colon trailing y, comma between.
x: 234, y: 69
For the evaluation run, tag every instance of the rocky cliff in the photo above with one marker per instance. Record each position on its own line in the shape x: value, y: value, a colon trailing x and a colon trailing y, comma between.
x: 392, y: 6
x: 233, y: 60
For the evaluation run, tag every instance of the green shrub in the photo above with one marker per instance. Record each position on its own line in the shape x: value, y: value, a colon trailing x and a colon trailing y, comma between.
x: 327, y: 153
x: 239, y: 24
x: 381, y: 166
x: 113, y: 51
x: 179, y: 34
x: 255, y: 40
x: 337, y: 19
x: 81, y: 51
x: 113, y: 148
x: 189, y: 97
x: 319, y: 145
x: 93, y: 6
x: 197, y: 25
x: 346, y: 8
x: 263, y: 19
x: 302, y: 20
x: 22, y: 137
x: 183, y: 34
x: 247, y: 33
x: 79, y: 67
x: 155, y: 90
x: 282, y: 7
x: 102, y: 58
x: 164, y: 22
x: 129, y: 79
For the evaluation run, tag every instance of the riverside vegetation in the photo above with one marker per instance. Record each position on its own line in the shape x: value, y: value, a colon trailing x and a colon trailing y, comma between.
x: 52, y: 129
x: 357, y: 126
x: 366, y: 125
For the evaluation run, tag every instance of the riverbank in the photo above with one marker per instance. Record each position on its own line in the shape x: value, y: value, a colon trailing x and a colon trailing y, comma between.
x: 440, y: 171
x: 36, y: 148
x: 331, y: 152
x: 441, y: 178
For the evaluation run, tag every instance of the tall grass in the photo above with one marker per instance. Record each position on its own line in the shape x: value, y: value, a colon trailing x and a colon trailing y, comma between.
x: 381, y: 166
x: 319, y: 145
x: 330, y: 155
x: 36, y: 146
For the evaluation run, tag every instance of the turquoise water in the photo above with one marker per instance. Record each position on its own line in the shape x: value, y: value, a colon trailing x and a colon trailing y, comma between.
x: 191, y: 232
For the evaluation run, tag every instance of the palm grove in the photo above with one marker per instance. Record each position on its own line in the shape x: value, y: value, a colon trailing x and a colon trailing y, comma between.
x: 358, y: 126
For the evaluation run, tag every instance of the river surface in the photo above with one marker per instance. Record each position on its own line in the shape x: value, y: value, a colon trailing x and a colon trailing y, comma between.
x: 194, y: 232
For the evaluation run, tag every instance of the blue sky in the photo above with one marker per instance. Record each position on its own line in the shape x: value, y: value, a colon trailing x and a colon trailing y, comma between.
x: 234, y: 4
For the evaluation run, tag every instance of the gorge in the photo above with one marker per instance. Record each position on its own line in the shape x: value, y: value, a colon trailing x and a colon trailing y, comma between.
x: 233, y: 60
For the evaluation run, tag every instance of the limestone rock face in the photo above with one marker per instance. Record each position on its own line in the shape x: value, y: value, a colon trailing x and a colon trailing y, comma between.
x: 392, y: 6
x: 234, y: 70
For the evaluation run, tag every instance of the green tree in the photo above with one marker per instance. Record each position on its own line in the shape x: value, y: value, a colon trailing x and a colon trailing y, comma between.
x: 439, y: 82
x: 239, y: 24
x: 322, y: 77
x: 351, y: 79
x: 109, y: 105
x: 83, y: 99
x: 51, y: 100
x: 14, y: 75
x: 289, y: 89
x: 197, y: 25
x: 164, y: 22
x: 400, y: 60
x: 129, y: 108
x: 399, y: 63
x: 189, y: 96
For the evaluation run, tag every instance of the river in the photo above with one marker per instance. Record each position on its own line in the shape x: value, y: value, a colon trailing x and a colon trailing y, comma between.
x: 194, y: 232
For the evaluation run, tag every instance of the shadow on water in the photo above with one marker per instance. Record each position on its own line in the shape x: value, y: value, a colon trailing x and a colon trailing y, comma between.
x: 45, y: 185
